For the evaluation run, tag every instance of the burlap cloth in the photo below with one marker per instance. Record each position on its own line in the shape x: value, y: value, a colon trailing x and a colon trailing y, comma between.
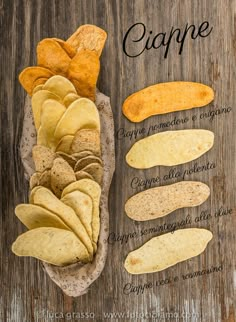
x: 75, y: 279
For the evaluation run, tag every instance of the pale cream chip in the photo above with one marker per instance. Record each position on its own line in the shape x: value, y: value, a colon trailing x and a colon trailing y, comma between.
x: 167, y: 250
x: 82, y: 204
x: 64, y: 144
x: 60, y: 86
x: 62, y: 175
x: 51, y: 113
x: 82, y: 113
x: 52, y: 245
x: 45, y: 198
x: 169, y: 148
x: 93, y: 190
x: 33, y: 216
x: 160, y: 201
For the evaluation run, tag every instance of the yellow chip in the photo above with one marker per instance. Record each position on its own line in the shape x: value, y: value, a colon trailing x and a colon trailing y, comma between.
x: 64, y: 144
x: 70, y: 98
x: 60, y: 86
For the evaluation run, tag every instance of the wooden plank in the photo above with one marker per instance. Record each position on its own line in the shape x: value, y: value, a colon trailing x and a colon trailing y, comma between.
x: 27, y: 293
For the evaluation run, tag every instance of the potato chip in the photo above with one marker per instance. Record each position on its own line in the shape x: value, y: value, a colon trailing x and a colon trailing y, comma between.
x: 160, y: 201
x: 33, y: 216
x: 81, y: 163
x: 41, y: 138
x: 88, y: 37
x: 93, y: 190
x: 52, y: 245
x: 45, y: 179
x: 167, y: 250
x: 37, y: 101
x: 69, y: 99
x: 87, y: 140
x: 43, y: 158
x: 82, y: 113
x: 60, y: 86
x: 61, y: 176
x: 68, y: 158
x: 52, y: 56
x: 83, y: 73
x: 95, y: 170
x: 29, y: 75
x: 39, y: 81
x: 45, y: 198
x: 82, y: 154
x: 165, y: 98
x: 34, y: 179
x: 82, y: 204
x: 70, y: 50
x: 83, y: 175
x: 37, y: 88
x: 32, y: 193
x: 51, y: 113
x: 64, y: 144
x: 169, y: 148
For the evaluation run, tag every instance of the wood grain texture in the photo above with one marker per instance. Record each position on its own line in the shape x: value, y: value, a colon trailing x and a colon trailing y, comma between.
x: 27, y: 293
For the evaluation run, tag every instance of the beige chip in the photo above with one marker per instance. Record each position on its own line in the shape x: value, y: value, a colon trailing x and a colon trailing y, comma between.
x: 52, y: 245
x: 83, y: 162
x: 167, y: 250
x: 83, y: 175
x: 160, y: 201
x: 95, y: 170
x: 169, y: 148
x: 87, y: 140
x: 43, y: 158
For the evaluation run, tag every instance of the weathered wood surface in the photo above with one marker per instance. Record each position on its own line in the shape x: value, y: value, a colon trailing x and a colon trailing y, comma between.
x: 27, y: 293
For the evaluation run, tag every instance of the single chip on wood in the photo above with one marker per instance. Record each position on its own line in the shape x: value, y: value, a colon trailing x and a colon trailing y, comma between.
x: 62, y: 175
x: 87, y: 140
x: 165, y: 98
x: 160, y: 201
x: 167, y: 250
x: 169, y: 148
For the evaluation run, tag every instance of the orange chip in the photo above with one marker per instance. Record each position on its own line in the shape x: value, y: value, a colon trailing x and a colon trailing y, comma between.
x: 33, y: 76
x: 52, y: 56
x: 88, y: 37
x: 83, y: 73
x: 71, y: 51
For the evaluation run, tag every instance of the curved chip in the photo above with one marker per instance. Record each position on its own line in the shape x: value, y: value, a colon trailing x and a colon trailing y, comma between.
x: 169, y: 148
x: 83, y: 175
x: 87, y: 140
x: 52, y: 245
x: 29, y: 76
x: 83, y: 162
x: 60, y: 86
x: 43, y: 157
x: 64, y: 144
x: 82, y: 113
x: 167, y: 250
x: 95, y: 170
x: 70, y: 50
x: 70, y: 98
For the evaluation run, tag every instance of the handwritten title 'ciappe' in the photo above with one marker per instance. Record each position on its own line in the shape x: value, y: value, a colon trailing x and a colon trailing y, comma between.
x: 138, y: 38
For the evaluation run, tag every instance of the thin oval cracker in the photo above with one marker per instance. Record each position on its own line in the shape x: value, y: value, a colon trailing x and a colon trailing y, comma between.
x: 82, y: 113
x: 37, y: 102
x: 88, y: 140
x: 29, y: 76
x: 88, y: 37
x: 52, y: 56
x: 93, y: 190
x: 59, y: 85
x: 62, y: 175
x: 45, y: 198
x: 165, y: 98
x: 83, y: 162
x: 33, y: 216
x: 43, y: 157
x: 83, y: 72
x: 160, y: 201
x: 169, y: 148
x: 167, y: 250
x: 82, y: 204
x: 52, y: 245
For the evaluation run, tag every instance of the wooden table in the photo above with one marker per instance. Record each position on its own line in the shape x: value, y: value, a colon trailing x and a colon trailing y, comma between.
x: 27, y: 293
